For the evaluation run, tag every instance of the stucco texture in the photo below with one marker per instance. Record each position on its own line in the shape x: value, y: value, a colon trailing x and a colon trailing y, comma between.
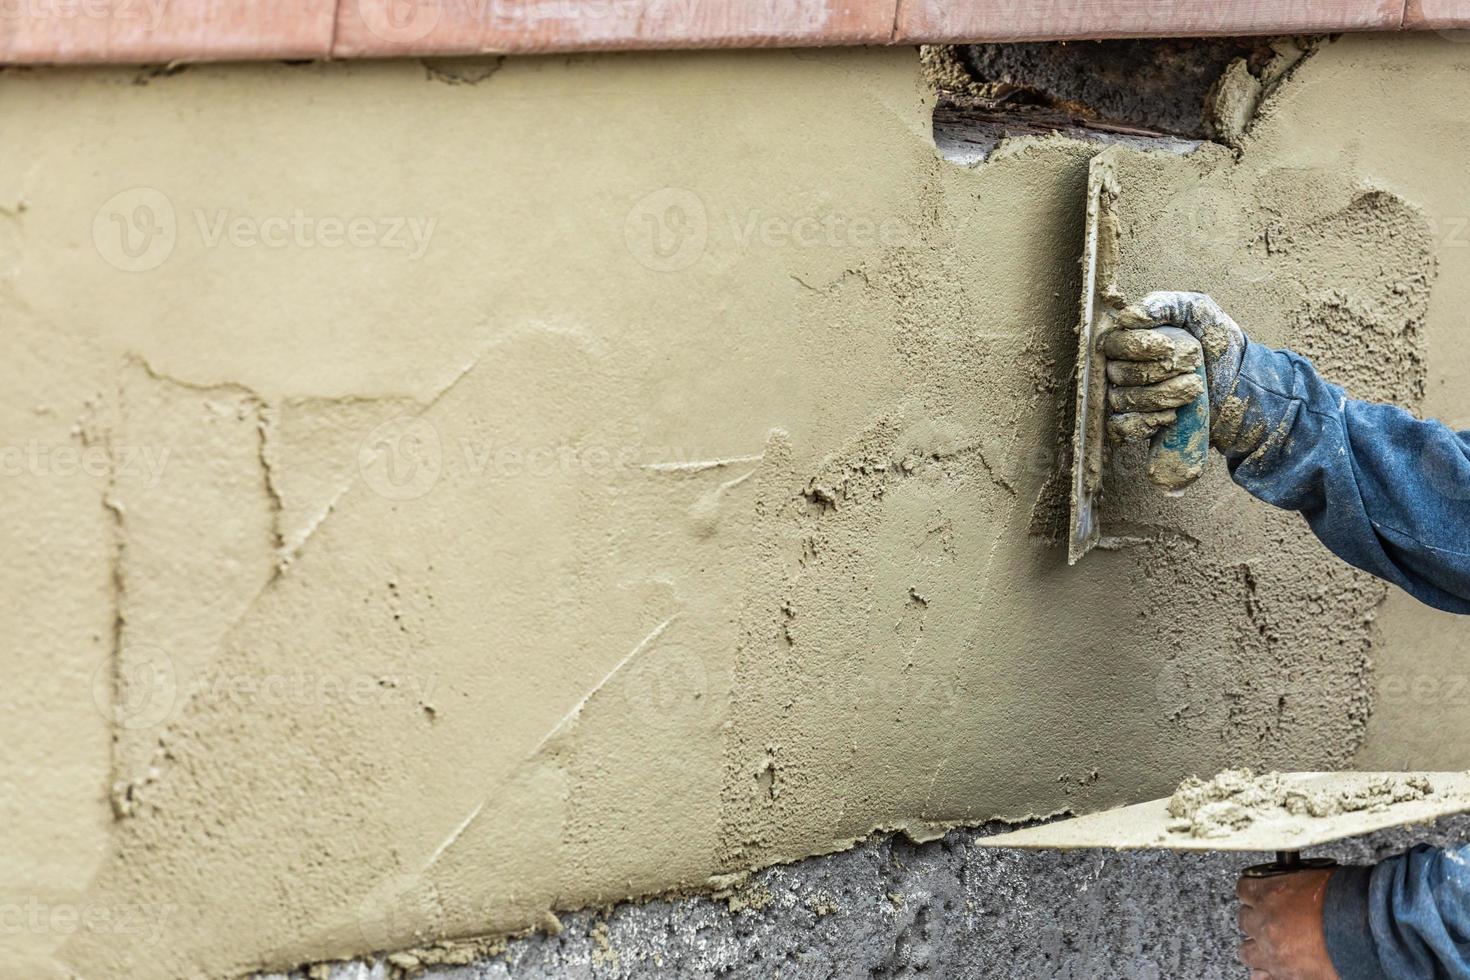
x: 437, y: 496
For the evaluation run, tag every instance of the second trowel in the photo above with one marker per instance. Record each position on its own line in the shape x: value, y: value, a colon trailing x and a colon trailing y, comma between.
x: 1177, y: 454
x: 1277, y: 828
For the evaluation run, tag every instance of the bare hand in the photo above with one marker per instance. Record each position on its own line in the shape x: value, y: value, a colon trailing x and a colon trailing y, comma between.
x: 1282, y: 921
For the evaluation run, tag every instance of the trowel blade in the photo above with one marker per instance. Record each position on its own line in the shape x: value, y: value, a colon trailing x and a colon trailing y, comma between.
x: 1100, y: 298
x: 1145, y: 825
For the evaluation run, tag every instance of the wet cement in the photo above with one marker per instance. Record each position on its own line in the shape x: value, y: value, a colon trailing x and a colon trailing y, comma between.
x: 474, y: 594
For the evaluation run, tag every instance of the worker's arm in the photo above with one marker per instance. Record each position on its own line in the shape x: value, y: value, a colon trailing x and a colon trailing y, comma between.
x: 1408, y: 916
x: 1385, y: 491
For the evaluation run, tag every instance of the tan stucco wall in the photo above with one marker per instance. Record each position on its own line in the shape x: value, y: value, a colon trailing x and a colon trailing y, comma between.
x: 652, y: 481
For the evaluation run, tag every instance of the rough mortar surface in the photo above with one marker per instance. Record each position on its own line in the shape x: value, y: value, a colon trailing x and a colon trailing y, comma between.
x: 425, y: 518
x: 889, y: 908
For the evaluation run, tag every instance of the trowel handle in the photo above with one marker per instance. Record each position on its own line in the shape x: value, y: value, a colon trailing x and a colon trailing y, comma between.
x: 1178, y: 453
x: 1288, y: 863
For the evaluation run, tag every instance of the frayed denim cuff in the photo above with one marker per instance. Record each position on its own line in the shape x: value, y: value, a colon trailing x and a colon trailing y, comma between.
x: 1345, y: 924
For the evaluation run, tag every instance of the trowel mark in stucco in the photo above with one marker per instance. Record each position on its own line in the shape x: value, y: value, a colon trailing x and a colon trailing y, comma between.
x: 700, y: 465
x: 289, y: 467
x: 560, y: 729
x: 511, y: 590
x: 884, y: 487
x: 180, y: 587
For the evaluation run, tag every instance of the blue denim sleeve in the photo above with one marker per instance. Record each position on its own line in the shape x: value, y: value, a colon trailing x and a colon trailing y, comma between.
x: 1406, y: 917
x: 1385, y: 491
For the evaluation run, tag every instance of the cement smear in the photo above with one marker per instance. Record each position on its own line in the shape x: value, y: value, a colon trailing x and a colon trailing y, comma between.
x: 681, y: 506
x: 1237, y: 798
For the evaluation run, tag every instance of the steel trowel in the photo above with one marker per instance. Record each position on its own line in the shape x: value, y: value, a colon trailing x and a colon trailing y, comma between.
x: 1147, y: 826
x: 1177, y: 454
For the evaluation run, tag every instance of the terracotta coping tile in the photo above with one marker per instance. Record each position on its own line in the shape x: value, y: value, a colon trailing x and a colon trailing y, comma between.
x: 926, y: 21
x: 395, y: 27
x: 138, y: 31
x: 143, y: 31
x: 1434, y: 15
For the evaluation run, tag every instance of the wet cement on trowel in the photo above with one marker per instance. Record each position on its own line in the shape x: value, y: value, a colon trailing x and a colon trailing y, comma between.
x: 733, y: 556
x: 1237, y: 798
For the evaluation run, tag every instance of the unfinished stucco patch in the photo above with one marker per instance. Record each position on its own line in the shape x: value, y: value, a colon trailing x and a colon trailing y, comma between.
x: 195, y: 544
x: 720, y: 558
x: 1285, y: 250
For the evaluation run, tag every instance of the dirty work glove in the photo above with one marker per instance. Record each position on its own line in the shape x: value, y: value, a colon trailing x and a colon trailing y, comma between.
x: 1152, y: 357
x: 1281, y: 919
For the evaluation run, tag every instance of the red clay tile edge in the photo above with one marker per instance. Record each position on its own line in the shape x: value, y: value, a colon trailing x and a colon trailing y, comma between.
x: 152, y: 31
x: 1439, y: 15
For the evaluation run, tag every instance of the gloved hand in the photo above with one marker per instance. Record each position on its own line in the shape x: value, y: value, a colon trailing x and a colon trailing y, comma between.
x: 1150, y: 365
x: 1281, y: 918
